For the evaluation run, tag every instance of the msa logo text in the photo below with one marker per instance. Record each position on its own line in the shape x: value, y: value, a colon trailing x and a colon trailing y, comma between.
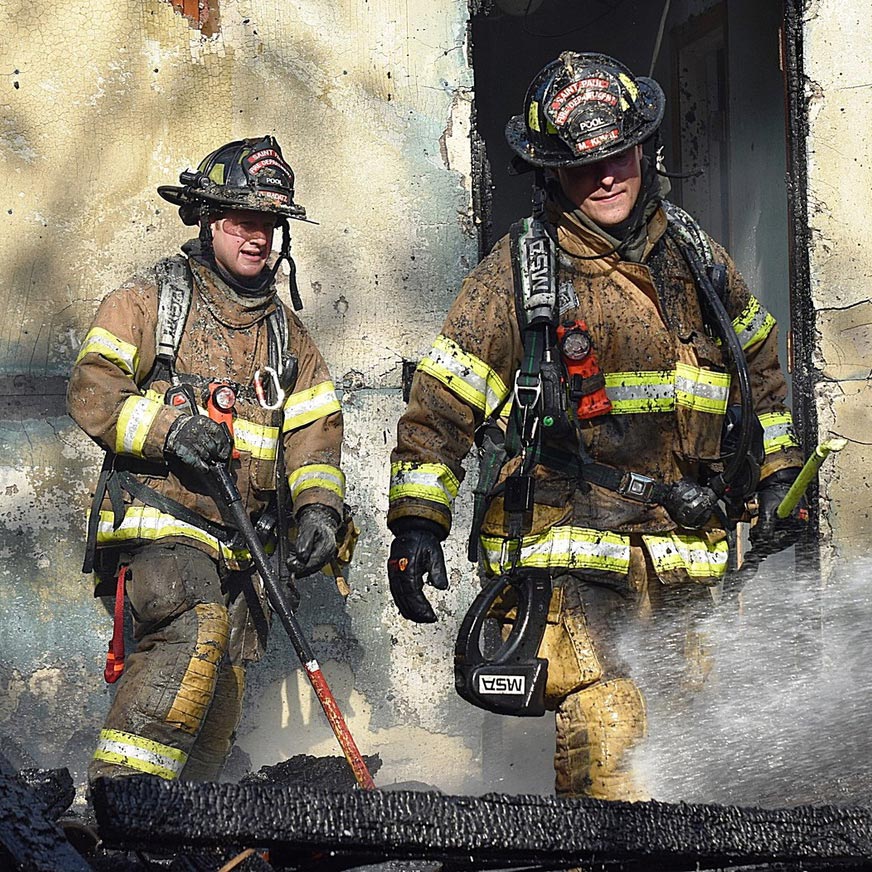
x: 512, y: 685
x: 538, y: 266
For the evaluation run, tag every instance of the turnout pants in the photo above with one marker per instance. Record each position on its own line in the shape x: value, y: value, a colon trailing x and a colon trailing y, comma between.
x: 179, y: 700
x: 591, y: 640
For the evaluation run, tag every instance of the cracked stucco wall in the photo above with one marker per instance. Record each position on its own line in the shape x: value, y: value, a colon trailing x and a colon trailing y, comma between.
x: 103, y: 101
x: 838, y: 87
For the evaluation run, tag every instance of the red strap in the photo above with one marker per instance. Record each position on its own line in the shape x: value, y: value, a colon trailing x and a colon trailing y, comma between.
x: 115, y: 657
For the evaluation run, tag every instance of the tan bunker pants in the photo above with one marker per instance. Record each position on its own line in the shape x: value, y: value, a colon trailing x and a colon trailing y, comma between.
x: 600, y: 710
x: 179, y: 701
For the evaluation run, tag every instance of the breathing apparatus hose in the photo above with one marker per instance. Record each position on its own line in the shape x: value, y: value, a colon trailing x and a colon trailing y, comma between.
x: 723, y: 324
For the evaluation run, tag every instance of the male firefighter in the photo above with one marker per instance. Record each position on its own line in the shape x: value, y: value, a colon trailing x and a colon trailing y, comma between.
x: 623, y: 344
x: 194, y: 363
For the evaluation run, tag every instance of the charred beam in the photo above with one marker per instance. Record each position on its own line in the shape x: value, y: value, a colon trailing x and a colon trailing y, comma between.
x: 28, y: 839
x: 477, y: 832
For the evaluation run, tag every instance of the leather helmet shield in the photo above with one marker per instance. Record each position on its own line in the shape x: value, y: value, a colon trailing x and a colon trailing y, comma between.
x: 584, y: 107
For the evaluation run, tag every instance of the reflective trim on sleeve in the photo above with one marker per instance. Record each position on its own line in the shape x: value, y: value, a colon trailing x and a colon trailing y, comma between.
x: 259, y: 440
x: 322, y: 475
x: 634, y: 392
x: 197, y: 687
x: 561, y: 547
x: 754, y: 323
x: 701, y: 389
x: 137, y: 752
x: 148, y: 523
x: 99, y: 341
x: 464, y: 374
x: 134, y: 422
x: 424, y: 481
x: 309, y: 405
x: 778, y: 431
x: 693, y: 554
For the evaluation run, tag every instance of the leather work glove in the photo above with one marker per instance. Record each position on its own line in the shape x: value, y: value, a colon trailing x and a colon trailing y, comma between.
x: 198, y: 441
x: 416, y: 550
x: 771, y: 534
x: 316, y: 539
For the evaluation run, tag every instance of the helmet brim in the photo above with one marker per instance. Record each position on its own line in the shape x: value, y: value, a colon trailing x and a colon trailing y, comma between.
x: 229, y: 199
x: 519, y: 142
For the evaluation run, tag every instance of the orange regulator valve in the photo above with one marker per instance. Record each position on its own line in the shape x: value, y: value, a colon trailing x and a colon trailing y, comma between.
x: 586, y: 383
x: 220, y: 403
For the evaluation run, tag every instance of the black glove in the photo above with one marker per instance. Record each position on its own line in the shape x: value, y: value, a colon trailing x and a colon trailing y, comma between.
x: 316, y: 539
x: 198, y: 441
x: 772, y: 534
x: 416, y: 550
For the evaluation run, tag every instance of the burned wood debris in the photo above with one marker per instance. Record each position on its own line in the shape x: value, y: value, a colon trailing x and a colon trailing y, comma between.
x: 277, y: 820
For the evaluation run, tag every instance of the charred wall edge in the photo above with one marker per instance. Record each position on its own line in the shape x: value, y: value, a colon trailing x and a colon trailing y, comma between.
x: 802, y: 312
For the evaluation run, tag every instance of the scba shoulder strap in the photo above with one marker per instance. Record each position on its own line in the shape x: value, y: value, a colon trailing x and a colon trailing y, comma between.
x: 175, y: 283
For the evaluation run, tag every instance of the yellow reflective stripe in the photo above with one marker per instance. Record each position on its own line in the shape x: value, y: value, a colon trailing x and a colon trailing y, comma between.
x: 306, y: 406
x: 261, y: 441
x: 778, y: 431
x: 322, y: 475
x: 562, y: 547
x: 146, y: 522
x: 635, y: 392
x: 464, y: 374
x: 701, y: 389
x: 753, y: 324
x: 671, y: 551
x: 99, y: 341
x: 137, y: 752
x: 134, y: 422
x: 423, y: 481
x: 198, y: 683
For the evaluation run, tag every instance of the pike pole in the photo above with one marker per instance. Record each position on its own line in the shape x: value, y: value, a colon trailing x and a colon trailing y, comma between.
x: 229, y: 493
x: 807, y: 473
x: 735, y: 579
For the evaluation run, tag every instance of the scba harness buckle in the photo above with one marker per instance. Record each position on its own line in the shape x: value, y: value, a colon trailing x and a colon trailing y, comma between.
x: 636, y: 486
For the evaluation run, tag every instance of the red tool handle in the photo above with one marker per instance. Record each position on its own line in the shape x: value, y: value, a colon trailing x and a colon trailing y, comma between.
x: 228, y: 492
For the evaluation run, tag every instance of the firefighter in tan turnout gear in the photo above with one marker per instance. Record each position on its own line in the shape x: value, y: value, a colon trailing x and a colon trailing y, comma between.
x: 590, y: 331
x: 196, y: 362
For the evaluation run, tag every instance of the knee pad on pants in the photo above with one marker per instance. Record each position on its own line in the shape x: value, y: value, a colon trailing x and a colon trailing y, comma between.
x: 597, y: 728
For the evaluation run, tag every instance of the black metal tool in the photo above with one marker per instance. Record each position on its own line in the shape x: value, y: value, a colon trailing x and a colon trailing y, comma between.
x: 511, y: 680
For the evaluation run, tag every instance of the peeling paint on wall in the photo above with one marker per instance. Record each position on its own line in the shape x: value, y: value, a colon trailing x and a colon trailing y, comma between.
x: 203, y: 14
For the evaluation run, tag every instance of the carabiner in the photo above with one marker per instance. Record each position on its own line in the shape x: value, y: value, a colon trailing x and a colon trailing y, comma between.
x: 261, y: 392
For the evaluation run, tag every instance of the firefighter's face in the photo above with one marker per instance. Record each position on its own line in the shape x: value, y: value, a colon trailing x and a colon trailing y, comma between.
x: 605, y: 191
x: 242, y: 241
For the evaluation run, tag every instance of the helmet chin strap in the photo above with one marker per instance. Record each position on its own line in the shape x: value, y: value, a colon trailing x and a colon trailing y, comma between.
x: 285, y: 254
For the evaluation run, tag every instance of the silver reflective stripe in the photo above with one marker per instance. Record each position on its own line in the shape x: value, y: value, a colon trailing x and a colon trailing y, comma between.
x: 698, y: 389
x: 464, y: 374
x: 622, y: 393
x: 671, y: 551
x: 566, y: 547
x: 137, y: 752
x: 134, y: 422
x: 428, y: 481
